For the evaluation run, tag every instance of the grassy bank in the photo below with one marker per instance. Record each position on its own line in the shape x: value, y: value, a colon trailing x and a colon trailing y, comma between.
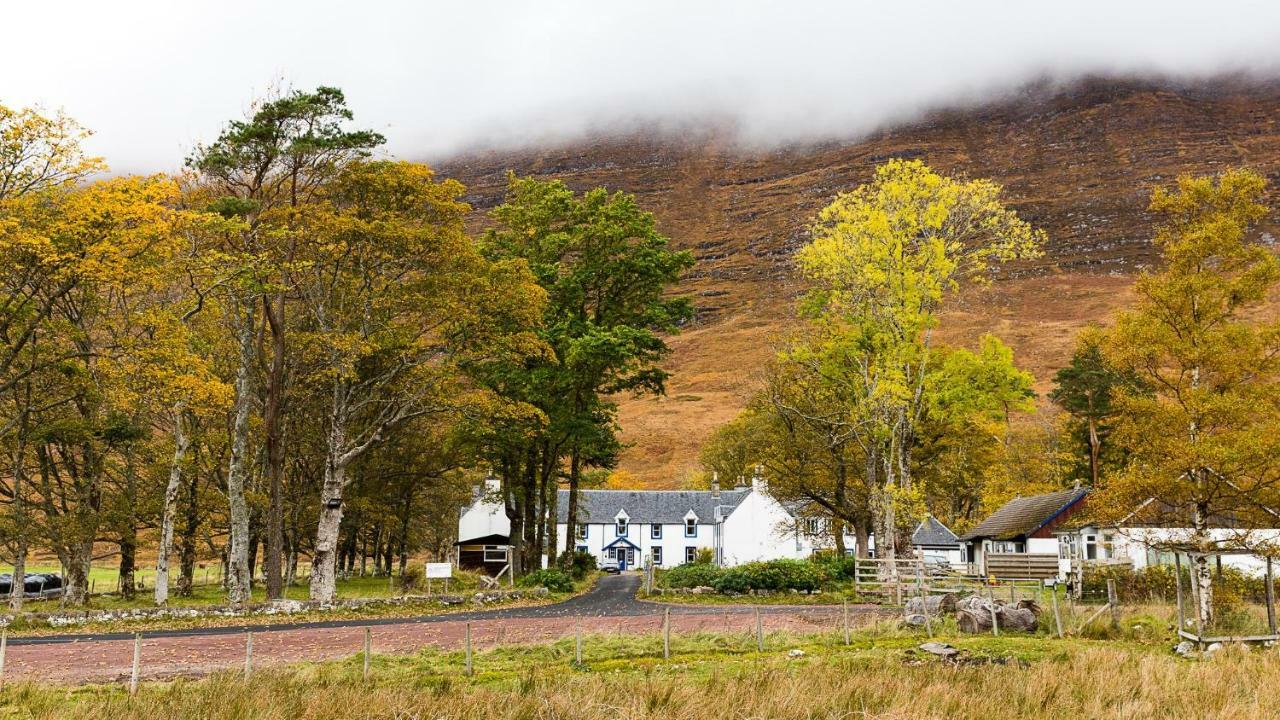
x: 27, y: 625
x: 879, y: 675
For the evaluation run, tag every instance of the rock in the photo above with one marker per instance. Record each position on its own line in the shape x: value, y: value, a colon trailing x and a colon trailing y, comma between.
x: 1213, y: 648
x: 796, y: 653
x: 914, y: 620
x: 940, y: 649
x: 1185, y: 648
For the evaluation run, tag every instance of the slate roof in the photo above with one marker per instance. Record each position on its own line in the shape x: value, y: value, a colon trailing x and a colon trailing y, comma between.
x: 663, y: 507
x: 1023, y: 516
x: 932, y: 533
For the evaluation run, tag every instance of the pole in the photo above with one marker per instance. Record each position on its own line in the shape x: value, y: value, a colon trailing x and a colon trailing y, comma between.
x: 1111, y: 600
x: 759, y: 631
x: 845, y: 614
x: 577, y: 642
x: 368, y: 647
x: 4, y: 645
x: 137, y: 663
x: 1271, y: 598
x: 995, y: 621
x: 1057, y: 616
x: 468, y: 649
x: 1177, y: 565
x: 666, y: 634
x: 248, y: 655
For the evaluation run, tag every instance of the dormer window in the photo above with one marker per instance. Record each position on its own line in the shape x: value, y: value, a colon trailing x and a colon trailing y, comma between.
x: 691, y: 527
x: 582, y: 531
x: 621, y: 528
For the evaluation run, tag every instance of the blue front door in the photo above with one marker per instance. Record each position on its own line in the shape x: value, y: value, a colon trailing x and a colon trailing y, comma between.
x: 622, y: 558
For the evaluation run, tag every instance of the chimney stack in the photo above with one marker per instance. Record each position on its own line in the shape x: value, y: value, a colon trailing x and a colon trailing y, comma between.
x: 740, y: 485
x: 757, y: 480
x: 715, y: 486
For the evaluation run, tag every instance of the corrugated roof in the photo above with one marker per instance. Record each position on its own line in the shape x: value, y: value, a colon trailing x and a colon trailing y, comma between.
x: 932, y: 532
x: 664, y: 507
x: 1022, y: 516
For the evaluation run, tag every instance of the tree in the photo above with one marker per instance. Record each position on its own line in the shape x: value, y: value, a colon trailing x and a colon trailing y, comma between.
x: 263, y: 170
x: 606, y: 270
x: 396, y: 297
x: 883, y: 259
x: 1203, y: 439
x: 1086, y: 389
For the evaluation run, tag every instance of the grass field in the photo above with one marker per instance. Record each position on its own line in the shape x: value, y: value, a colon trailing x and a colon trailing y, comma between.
x: 880, y: 674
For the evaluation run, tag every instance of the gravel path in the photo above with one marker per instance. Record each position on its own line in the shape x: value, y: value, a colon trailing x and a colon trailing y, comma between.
x: 611, y: 606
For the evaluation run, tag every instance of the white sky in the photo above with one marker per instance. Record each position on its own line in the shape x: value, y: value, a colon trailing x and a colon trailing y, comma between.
x: 152, y: 78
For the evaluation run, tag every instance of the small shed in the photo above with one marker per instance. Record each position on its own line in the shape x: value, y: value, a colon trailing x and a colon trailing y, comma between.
x: 488, y: 554
x: 936, y: 543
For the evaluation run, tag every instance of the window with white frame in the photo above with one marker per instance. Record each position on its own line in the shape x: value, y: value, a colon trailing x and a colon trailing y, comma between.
x: 582, y: 531
x: 657, y: 556
x: 812, y: 526
x: 655, y: 531
x: 690, y: 554
x: 691, y: 527
x: 621, y: 527
x: 495, y: 553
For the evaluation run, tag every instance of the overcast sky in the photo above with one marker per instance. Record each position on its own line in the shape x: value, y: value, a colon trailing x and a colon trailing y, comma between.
x: 152, y: 77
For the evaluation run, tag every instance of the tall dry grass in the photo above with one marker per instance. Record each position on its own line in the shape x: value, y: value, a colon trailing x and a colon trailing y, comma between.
x: 878, y: 678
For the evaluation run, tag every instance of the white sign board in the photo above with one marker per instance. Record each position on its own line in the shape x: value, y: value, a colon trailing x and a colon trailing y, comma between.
x: 439, y: 570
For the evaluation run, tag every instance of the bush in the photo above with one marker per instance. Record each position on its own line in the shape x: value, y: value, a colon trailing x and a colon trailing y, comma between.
x: 1156, y: 583
x: 411, y: 578
x: 834, y: 568
x: 550, y: 578
x: 689, y: 575
x: 771, y: 576
x: 578, y: 564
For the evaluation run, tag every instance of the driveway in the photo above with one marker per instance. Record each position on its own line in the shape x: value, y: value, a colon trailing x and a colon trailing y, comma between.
x: 608, y: 607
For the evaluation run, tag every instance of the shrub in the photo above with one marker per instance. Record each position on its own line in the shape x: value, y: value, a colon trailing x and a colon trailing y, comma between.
x: 688, y: 575
x: 578, y: 564
x: 834, y: 568
x: 550, y: 578
x: 1156, y: 583
x: 411, y: 578
x: 773, y: 575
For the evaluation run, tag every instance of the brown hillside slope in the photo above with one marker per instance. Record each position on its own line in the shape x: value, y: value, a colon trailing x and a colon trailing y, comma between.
x: 1079, y: 163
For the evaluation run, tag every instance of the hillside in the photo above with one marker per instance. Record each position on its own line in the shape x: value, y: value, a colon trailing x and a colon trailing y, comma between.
x: 1079, y: 162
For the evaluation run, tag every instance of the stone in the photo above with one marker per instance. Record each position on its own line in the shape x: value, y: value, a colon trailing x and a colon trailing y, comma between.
x: 1186, y: 648
x: 939, y: 649
x: 797, y: 652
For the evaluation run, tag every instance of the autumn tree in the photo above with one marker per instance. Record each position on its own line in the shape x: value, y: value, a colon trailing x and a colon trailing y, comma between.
x: 1203, y: 439
x: 396, y: 296
x: 263, y: 170
x: 883, y: 261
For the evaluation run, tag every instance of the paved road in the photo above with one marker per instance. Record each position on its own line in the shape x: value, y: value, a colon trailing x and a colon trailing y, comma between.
x: 611, y: 606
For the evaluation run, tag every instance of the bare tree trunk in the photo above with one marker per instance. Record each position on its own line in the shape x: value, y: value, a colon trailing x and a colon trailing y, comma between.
x: 237, y: 471
x: 78, y: 561
x: 273, y: 429
x: 169, y: 513
x: 571, y: 522
x: 324, y: 587
x: 1201, y: 573
x: 17, y: 589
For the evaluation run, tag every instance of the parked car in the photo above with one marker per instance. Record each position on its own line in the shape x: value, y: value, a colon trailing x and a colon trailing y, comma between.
x: 35, y: 585
x: 610, y: 566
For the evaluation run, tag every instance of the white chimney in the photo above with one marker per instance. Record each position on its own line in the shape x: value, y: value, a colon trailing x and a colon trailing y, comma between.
x: 758, y: 481
x: 715, y: 486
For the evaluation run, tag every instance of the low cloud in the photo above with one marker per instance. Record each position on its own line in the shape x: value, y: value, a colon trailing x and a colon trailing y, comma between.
x: 152, y: 78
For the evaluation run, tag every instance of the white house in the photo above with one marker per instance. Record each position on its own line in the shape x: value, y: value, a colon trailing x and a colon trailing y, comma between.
x: 669, y: 527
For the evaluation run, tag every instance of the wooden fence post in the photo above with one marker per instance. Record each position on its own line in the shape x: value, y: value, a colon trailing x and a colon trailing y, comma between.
x: 666, y: 633
x: 995, y: 622
x: 248, y: 655
x: 845, y: 615
x: 1113, y: 602
x: 368, y: 648
x: 1057, y: 616
x: 759, y: 632
x: 137, y: 663
x: 577, y: 642
x: 468, y: 642
x: 1271, y: 598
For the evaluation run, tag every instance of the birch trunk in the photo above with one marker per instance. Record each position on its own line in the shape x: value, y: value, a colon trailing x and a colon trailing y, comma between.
x: 237, y: 470
x: 170, y: 511
x: 17, y: 590
x: 1201, y: 573
x: 324, y: 586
